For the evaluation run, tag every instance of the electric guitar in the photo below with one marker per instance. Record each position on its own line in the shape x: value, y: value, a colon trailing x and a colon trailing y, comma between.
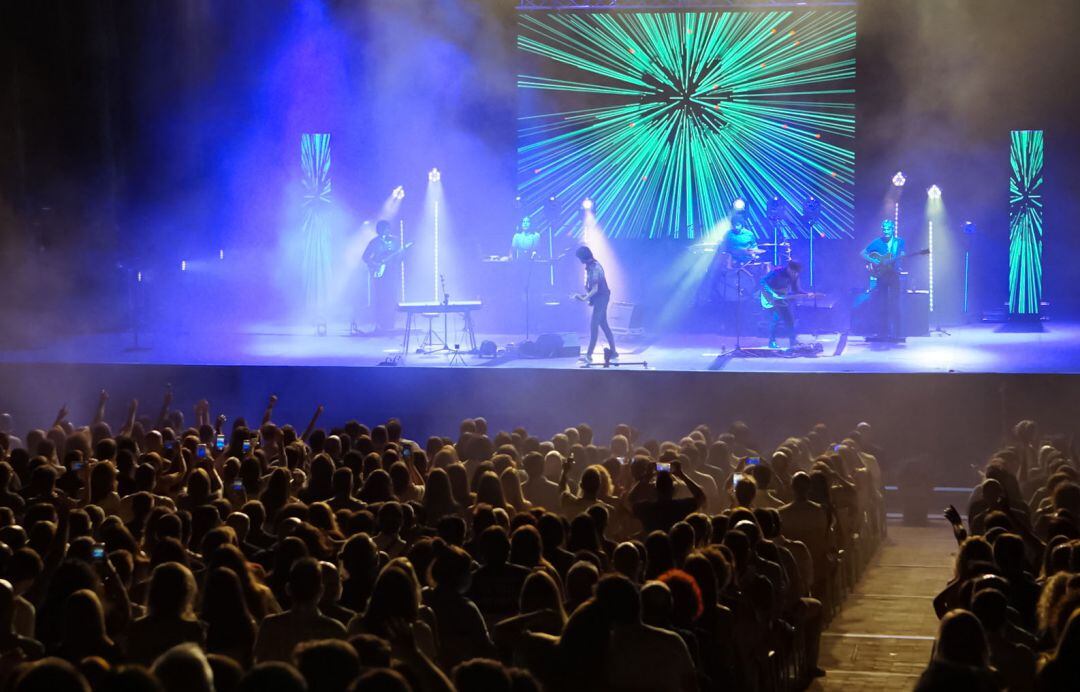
x: 769, y: 301
x: 378, y: 266
x: 886, y: 263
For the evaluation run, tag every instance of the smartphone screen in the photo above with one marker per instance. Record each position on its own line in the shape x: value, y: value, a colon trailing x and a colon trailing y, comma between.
x: 238, y: 485
x: 201, y: 452
x: 753, y: 461
x: 736, y: 477
x: 247, y: 446
x: 98, y: 552
x: 406, y: 452
x: 220, y: 443
x: 622, y: 461
x: 663, y: 467
x: 77, y: 466
x: 169, y: 445
x: 836, y: 448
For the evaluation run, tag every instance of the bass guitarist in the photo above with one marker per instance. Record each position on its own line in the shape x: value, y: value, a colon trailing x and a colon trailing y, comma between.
x: 884, y: 256
x: 776, y: 288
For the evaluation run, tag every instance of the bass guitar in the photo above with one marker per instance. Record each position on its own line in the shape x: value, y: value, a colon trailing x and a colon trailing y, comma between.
x: 884, y: 264
x: 378, y: 266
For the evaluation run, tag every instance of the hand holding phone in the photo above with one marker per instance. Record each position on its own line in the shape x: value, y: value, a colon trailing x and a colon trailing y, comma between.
x: 247, y: 446
x: 663, y: 467
x: 98, y: 552
x: 219, y: 443
x: 753, y: 461
x: 200, y: 452
x: 736, y: 478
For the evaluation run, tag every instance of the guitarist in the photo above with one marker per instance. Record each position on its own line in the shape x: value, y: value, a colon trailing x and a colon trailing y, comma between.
x: 383, y: 283
x: 776, y: 286
x: 884, y: 256
x: 598, y: 295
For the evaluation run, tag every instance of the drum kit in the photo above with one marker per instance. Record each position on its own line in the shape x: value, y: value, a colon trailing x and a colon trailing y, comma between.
x: 733, y: 279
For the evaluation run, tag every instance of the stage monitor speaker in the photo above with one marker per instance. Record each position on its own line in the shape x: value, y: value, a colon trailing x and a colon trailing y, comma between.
x: 552, y: 345
x: 626, y: 318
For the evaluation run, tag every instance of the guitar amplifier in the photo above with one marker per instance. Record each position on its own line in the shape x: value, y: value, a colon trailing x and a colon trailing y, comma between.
x: 626, y: 318
x: 914, y: 314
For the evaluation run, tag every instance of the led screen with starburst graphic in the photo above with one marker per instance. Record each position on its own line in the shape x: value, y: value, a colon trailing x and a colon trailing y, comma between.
x: 665, y: 119
x: 1025, y: 222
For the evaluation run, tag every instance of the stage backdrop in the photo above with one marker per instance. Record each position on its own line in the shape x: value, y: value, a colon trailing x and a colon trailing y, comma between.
x: 664, y: 119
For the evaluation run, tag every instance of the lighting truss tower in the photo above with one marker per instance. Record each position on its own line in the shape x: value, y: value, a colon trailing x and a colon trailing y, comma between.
x: 1025, y: 224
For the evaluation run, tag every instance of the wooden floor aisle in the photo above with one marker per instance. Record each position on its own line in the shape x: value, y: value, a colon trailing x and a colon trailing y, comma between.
x: 882, y: 638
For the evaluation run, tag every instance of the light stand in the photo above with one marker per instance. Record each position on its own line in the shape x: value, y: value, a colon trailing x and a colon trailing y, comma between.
x: 739, y: 351
x: 134, y: 281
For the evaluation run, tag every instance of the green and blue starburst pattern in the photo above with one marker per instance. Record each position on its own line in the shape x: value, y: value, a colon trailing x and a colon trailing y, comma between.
x: 665, y: 119
x: 315, y: 167
x: 1025, y: 222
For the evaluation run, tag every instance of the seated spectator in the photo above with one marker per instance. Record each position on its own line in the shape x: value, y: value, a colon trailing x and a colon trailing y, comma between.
x: 279, y: 634
x: 169, y: 619
x: 961, y: 657
x: 636, y: 647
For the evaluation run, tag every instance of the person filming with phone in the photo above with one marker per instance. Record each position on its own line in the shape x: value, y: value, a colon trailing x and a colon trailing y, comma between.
x: 663, y: 512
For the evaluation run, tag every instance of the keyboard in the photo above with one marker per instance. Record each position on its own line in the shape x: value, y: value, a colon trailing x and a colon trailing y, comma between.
x: 452, y: 306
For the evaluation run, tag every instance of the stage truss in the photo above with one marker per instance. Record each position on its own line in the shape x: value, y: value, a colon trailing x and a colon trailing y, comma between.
x: 668, y: 5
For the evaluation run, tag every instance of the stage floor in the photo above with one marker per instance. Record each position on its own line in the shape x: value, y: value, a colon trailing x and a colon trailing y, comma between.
x: 977, y: 348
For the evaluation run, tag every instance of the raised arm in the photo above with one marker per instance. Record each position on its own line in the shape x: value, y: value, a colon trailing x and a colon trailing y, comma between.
x: 99, y: 413
x: 311, y: 426
x: 166, y: 402
x: 564, y: 475
x: 61, y: 416
x: 269, y: 412
x: 129, y: 424
x: 695, y: 489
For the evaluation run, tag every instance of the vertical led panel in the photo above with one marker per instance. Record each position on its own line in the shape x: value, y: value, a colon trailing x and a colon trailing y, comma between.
x: 1025, y: 222
x: 315, y: 167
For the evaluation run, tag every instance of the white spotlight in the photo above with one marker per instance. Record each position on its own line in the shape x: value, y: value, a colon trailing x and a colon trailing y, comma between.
x: 434, y: 175
x: 398, y: 193
x: 738, y: 205
x: 183, y: 265
x: 934, y: 192
x: 898, y: 180
x: 587, y: 204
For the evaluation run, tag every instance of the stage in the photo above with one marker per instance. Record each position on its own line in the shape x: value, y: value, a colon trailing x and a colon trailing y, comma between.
x: 980, y: 348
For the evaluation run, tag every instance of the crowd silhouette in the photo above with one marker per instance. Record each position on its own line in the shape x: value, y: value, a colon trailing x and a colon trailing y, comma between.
x: 1010, y: 616
x: 215, y: 554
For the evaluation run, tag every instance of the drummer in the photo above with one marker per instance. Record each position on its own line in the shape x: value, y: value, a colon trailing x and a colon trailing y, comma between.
x: 740, y: 243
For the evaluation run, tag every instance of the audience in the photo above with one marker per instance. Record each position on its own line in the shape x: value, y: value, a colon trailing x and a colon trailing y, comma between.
x: 351, y: 558
x: 1010, y: 616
